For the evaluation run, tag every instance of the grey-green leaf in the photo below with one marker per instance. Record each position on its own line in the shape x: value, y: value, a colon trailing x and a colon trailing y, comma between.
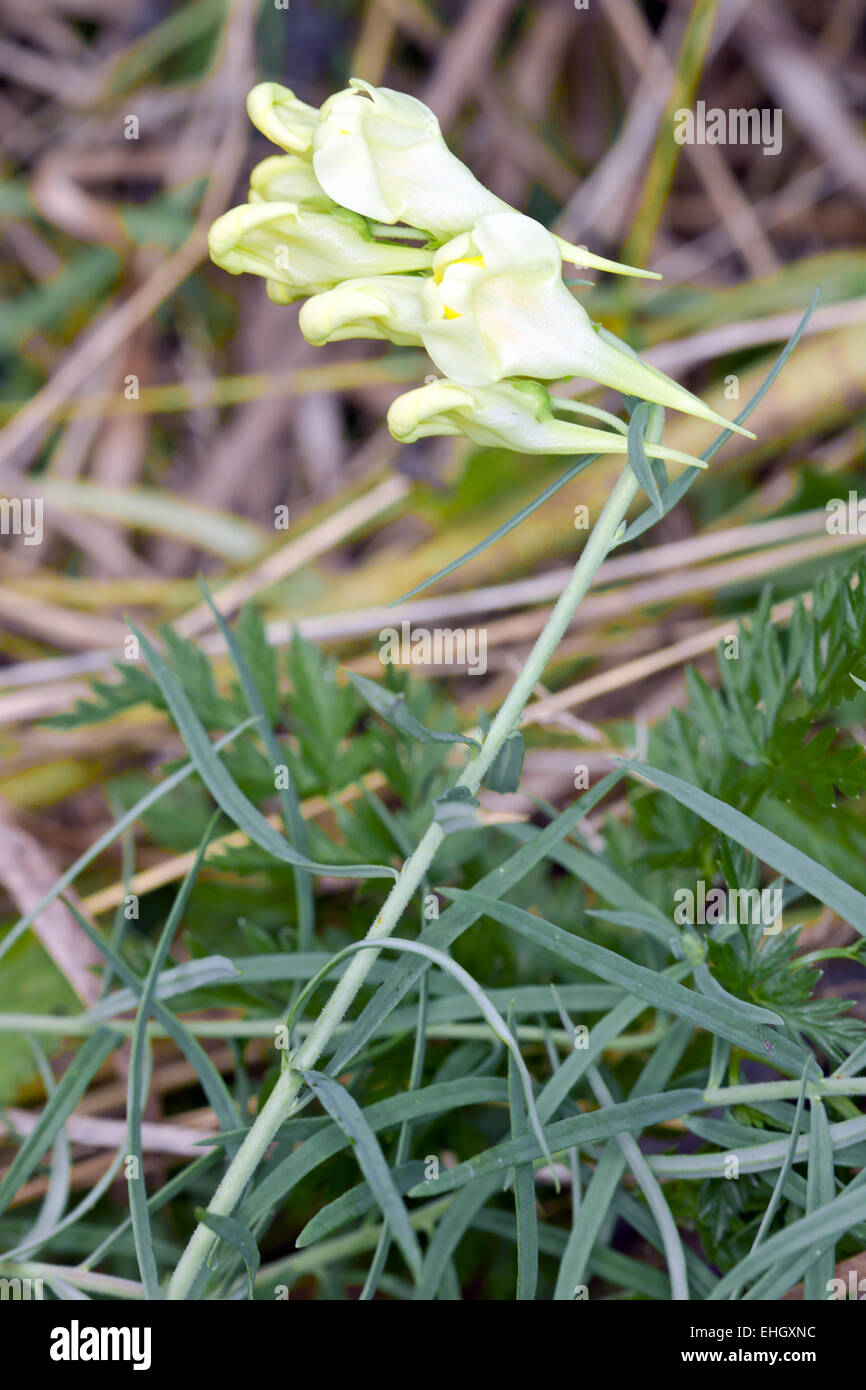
x: 348, y: 1115
x: 223, y: 788
x: 392, y: 707
x: 792, y: 863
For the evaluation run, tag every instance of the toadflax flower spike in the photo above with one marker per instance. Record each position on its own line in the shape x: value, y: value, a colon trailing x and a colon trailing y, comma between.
x: 301, y: 252
x: 496, y: 306
x: 513, y: 415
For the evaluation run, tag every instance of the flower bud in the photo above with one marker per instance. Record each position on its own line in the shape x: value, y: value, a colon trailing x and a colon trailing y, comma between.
x: 382, y: 306
x: 278, y: 114
x: 301, y: 252
x: 288, y: 178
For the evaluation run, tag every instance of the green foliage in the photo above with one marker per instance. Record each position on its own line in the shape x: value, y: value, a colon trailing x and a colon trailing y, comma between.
x: 340, y: 1206
x: 134, y: 687
x: 763, y: 968
x: 600, y: 927
x: 771, y: 731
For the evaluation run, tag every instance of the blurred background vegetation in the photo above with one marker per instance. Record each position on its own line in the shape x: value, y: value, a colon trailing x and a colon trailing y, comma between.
x: 165, y: 412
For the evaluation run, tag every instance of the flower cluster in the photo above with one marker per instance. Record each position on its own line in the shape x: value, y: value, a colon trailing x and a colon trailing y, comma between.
x: 370, y: 218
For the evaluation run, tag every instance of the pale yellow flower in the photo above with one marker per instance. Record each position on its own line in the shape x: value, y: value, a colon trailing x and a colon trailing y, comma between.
x: 382, y: 306
x: 278, y: 114
x: 382, y: 154
x: 515, y: 415
x: 496, y: 306
x: 301, y: 252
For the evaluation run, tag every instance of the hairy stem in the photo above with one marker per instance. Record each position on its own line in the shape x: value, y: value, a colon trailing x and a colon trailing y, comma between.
x: 284, y: 1095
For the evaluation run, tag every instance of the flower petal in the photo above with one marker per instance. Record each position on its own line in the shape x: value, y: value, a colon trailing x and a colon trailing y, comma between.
x: 306, y: 251
x: 385, y: 306
x: 278, y: 114
x: 381, y: 153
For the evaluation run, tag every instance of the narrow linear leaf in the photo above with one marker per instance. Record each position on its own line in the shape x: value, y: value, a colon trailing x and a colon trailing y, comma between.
x: 89, y: 1201
x: 450, y: 1231
x: 348, y: 1115
x: 676, y: 490
x: 648, y: 985
x: 663, y: 931
x: 610, y: 1167
x: 57, y: 1195
x: 185, y: 1178
x: 575, y: 1066
x: 180, y: 979
x: 637, y: 459
x: 592, y: 870
x: 526, y: 1215
x: 820, y: 1190
x: 70, y: 1088
x: 754, y: 1158
x: 117, y: 829
x: 210, y: 1079
x: 487, y: 1010
x: 416, y: 1073
x: 753, y: 1013
x: 458, y: 918
x: 236, y: 1235
x: 503, y: 530
x: 223, y: 788
x: 770, y: 848
x: 853, y: 1064
x: 392, y: 707
x: 564, y: 1134
x: 528, y: 999
x: 593, y: 1210
x: 787, y: 1165
x: 792, y: 1245
x: 135, y: 1097
x: 293, y: 821
x: 354, y: 1203
x: 438, y: 1099
x: 655, y: 1198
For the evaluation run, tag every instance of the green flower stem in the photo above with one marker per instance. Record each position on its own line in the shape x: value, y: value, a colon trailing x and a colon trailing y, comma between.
x: 282, y: 1099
